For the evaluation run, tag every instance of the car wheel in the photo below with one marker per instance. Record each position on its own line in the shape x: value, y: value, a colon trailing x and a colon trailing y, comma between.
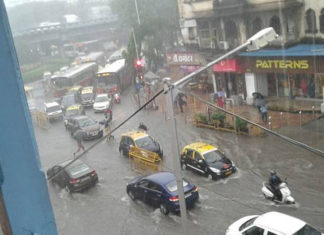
x: 164, y: 210
x: 184, y: 166
x: 131, y: 195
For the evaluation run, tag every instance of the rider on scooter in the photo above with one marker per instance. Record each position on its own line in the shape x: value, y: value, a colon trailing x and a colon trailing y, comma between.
x: 274, y: 182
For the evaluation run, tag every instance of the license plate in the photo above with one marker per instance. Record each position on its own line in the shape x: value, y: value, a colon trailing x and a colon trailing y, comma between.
x: 85, y: 178
x: 94, y: 133
x: 228, y: 173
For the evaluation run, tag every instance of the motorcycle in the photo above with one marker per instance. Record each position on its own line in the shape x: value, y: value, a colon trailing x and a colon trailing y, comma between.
x: 117, y: 98
x: 284, y: 198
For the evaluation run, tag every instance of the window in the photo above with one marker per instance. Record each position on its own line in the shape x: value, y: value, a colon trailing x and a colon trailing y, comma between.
x: 307, y: 230
x: 189, y: 153
x: 153, y: 186
x: 254, y: 231
x: 321, y: 21
x: 143, y: 184
x: 198, y: 157
x: 256, y: 25
x: 311, y: 21
x: 191, y: 33
x: 275, y: 24
x: 270, y: 233
x: 247, y: 223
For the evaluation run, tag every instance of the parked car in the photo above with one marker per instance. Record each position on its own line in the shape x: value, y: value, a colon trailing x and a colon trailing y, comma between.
x: 87, y: 96
x: 53, y: 111
x: 72, y: 111
x: 90, y: 127
x: 160, y: 191
x: 139, y: 139
x: 271, y: 223
x: 207, y: 159
x: 102, y: 103
x: 75, y: 178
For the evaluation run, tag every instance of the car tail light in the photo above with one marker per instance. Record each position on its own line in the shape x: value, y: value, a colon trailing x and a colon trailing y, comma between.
x: 93, y: 173
x: 195, y: 189
x: 74, y: 181
x: 174, y: 199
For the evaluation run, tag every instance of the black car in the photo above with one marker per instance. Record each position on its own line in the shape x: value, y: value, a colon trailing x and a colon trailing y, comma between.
x: 75, y: 178
x: 206, y: 159
x: 91, y: 128
x: 160, y: 191
x: 68, y: 100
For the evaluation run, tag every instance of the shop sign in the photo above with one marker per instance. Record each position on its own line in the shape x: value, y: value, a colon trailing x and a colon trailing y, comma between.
x: 183, y: 58
x: 282, y: 64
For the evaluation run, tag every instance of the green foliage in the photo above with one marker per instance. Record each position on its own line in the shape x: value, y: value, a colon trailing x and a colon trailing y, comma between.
x: 201, y: 118
x: 48, y: 65
x: 158, y: 25
x: 240, y: 124
x: 218, y: 116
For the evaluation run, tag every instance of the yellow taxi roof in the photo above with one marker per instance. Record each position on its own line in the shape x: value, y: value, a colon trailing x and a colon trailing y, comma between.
x: 200, y: 147
x: 74, y: 107
x: 75, y: 88
x: 135, y: 134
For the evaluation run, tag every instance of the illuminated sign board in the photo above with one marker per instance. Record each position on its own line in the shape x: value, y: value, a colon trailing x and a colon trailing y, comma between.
x: 282, y: 64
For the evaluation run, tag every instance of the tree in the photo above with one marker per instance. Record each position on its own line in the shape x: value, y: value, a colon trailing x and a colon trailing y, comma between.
x: 159, y: 24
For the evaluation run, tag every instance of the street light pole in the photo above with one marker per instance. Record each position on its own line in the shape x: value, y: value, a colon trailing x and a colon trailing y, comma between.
x: 259, y: 40
x: 138, y: 18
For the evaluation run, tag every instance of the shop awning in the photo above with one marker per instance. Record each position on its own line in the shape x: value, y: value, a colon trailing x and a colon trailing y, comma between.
x: 228, y: 66
x: 302, y: 50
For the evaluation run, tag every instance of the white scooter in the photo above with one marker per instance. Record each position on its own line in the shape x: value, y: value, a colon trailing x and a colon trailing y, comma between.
x: 285, y: 198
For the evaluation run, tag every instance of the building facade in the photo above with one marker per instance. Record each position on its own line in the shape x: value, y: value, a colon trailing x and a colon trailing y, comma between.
x: 220, y: 25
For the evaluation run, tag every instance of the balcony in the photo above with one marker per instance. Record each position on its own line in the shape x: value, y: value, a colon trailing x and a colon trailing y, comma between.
x: 262, y: 5
x: 228, y: 7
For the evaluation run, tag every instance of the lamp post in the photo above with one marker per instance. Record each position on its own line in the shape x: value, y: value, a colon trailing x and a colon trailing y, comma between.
x: 259, y: 40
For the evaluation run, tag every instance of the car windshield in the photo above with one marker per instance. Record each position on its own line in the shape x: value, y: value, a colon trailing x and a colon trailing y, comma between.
x: 86, y: 122
x: 307, y: 230
x: 214, y: 156
x: 53, y: 109
x: 74, y: 170
x: 172, y: 186
x: 68, y: 100
x: 72, y: 112
x: 144, y: 142
x: 247, y: 223
x: 86, y: 96
x: 102, y: 99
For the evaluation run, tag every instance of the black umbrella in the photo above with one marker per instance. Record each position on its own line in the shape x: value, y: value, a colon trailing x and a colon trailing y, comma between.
x: 79, y: 135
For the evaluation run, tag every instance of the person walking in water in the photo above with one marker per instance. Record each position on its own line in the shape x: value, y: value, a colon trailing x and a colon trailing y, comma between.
x: 264, y: 113
x: 78, y: 136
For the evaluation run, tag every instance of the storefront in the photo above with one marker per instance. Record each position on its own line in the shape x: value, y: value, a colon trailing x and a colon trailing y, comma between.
x: 229, y: 76
x: 294, y: 72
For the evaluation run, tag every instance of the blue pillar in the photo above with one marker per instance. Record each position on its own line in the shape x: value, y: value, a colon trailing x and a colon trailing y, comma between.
x: 24, y: 188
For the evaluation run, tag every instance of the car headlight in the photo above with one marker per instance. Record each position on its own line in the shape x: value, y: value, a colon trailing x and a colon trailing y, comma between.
x: 215, y: 170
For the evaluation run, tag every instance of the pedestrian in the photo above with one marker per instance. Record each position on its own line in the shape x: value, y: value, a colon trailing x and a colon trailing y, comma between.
x: 220, y: 102
x: 182, y: 101
x: 108, y: 115
x: 264, y: 113
x: 78, y: 136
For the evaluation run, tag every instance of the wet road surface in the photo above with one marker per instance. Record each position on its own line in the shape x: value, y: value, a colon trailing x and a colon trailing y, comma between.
x: 107, y: 209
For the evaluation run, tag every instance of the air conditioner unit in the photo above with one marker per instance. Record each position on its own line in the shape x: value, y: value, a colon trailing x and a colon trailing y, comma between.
x: 223, y: 45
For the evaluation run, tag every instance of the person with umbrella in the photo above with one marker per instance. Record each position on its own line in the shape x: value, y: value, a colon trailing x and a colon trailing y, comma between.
x: 78, y: 136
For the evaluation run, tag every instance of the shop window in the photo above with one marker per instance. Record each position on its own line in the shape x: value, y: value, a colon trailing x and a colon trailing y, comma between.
x: 311, y: 21
x: 321, y: 20
x: 275, y: 24
x: 204, y: 33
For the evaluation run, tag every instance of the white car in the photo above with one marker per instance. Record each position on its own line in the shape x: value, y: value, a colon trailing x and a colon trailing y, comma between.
x: 53, y: 111
x: 102, y: 103
x: 271, y: 223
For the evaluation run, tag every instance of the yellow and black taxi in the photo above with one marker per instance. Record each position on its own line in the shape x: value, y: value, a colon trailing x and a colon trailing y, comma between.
x: 139, y: 139
x: 206, y: 159
x: 72, y: 111
x: 87, y: 96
